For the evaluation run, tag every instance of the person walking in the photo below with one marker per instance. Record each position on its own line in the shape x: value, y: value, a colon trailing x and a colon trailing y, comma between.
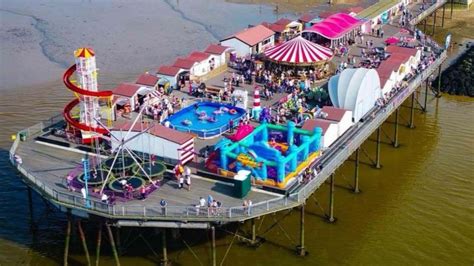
x: 187, y: 175
x: 163, y: 205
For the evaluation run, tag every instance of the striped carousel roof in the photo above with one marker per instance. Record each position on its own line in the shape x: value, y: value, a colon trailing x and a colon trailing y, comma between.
x: 298, y: 51
x: 84, y: 52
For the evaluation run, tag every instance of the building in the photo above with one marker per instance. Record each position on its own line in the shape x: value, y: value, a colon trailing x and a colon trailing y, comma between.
x: 253, y: 40
x: 342, y: 118
x: 356, y: 90
x: 218, y: 54
x: 329, y: 130
x: 148, y: 80
x: 202, y: 63
x: 167, y: 143
x: 129, y: 93
x: 171, y: 73
x: 397, y: 66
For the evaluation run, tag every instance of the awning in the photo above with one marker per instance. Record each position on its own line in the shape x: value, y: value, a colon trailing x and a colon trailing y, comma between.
x: 336, y: 26
x: 298, y: 51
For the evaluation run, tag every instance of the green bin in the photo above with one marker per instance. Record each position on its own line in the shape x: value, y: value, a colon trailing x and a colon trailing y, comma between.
x: 22, y: 136
x: 242, y: 184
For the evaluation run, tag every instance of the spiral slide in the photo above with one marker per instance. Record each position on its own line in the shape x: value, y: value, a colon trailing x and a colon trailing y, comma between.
x: 67, y: 109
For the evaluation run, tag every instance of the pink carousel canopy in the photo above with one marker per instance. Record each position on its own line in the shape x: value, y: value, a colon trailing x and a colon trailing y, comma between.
x: 298, y: 51
x: 336, y: 26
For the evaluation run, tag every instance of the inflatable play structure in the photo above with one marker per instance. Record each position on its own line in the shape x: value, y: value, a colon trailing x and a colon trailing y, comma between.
x: 274, y: 154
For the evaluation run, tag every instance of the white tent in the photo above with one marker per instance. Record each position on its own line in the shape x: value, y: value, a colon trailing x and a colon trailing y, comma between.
x: 356, y: 90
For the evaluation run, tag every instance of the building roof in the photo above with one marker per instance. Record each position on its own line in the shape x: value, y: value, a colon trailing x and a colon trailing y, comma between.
x: 274, y: 27
x: 311, y: 124
x: 252, y: 36
x: 336, y: 26
x: 283, y: 21
x: 198, y: 56
x: 376, y: 9
x: 399, y: 55
x: 334, y: 114
x: 216, y: 49
x: 126, y: 89
x: 184, y: 63
x: 158, y: 130
x: 307, y: 17
x: 171, y: 71
x: 147, y: 80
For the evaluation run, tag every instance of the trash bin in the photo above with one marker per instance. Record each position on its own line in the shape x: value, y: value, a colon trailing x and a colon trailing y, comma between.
x: 22, y: 136
x: 242, y: 184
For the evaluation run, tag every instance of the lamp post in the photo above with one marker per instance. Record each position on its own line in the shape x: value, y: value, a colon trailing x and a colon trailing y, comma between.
x: 85, y: 166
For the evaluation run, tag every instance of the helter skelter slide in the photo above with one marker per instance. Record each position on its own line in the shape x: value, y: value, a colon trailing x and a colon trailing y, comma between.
x: 87, y: 96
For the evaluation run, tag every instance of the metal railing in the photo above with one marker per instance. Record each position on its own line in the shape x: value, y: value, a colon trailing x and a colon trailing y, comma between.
x: 428, y: 11
x: 361, y: 132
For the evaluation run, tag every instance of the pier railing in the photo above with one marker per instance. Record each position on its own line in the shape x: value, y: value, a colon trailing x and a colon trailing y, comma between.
x: 417, y: 19
x: 330, y: 162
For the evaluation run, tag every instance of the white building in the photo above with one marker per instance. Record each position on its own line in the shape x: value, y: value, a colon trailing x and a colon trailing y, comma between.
x: 170, y: 73
x: 356, y: 90
x: 253, y: 40
x: 167, y: 143
x: 218, y: 54
x: 341, y: 117
x: 128, y: 93
x: 329, y: 130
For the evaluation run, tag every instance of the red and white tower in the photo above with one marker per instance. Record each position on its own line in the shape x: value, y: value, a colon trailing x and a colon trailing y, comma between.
x: 86, y: 72
x: 256, y: 108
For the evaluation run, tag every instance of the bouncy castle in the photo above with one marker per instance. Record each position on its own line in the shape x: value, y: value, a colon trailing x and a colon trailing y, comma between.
x: 274, y: 154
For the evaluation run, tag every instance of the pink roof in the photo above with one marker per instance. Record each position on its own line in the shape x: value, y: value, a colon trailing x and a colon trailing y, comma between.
x: 283, y: 21
x: 158, y: 130
x: 216, y: 49
x: 184, y: 63
x: 147, y: 80
x: 334, y: 114
x: 274, y: 27
x: 335, y: 26
x: 305, y: 18
x: 254, y: 35
x: 298, y: 51
x: 126, y: 89
x: 311, y: 124
x: 198, y: 56
x: 168, y: 70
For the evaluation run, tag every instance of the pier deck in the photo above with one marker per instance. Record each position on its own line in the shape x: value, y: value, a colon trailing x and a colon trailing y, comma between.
x: 44, y: 169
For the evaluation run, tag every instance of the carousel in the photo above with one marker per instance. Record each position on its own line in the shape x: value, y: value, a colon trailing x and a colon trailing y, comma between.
x: 298, y: 52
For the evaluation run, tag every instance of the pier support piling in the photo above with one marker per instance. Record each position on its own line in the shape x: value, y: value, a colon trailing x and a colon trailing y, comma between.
x: 83, y: 240
x: 356, y: 171
x: 452, y: 5
x: 68, y: 238
x: 213, y: 236
x: 438, y: 89
x: 30, y: 206
x: 164, y: 260
x: 301, y: 250
x: 112, y: 245
x: 412, y: 111
x: 434, y: 22
x: 442, y: 19
x: 424, y: 25
x: 331, y: 218
x: 425, y: 103
x: 395, y: 134
x: 377, y: 154
x: 253, y: 241
x: 99, y: 242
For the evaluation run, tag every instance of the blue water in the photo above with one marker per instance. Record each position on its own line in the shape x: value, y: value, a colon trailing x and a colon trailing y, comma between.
x: 203, y: 127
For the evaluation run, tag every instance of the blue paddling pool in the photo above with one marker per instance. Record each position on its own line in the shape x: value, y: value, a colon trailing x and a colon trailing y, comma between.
x: 206, y: 119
